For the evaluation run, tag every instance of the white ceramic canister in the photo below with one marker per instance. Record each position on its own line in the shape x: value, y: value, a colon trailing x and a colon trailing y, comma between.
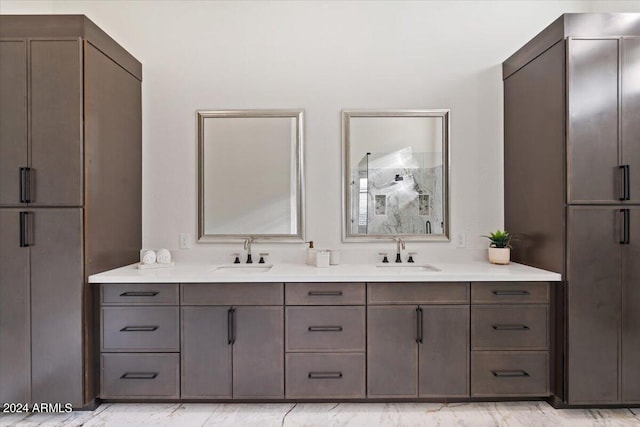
x: 322, y: 258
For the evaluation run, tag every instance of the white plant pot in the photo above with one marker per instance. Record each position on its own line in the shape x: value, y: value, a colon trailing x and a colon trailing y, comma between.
x: 499, y: 255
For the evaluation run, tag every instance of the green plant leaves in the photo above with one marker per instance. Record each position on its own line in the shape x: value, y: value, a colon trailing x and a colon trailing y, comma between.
x: 499, y: 239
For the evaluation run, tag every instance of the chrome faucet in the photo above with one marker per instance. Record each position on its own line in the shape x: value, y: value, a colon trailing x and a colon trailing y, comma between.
x: 399, y: 245
x: 247, y: 246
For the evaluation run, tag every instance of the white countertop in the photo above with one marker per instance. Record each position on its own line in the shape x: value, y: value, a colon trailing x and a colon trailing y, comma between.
x: 472, y: 271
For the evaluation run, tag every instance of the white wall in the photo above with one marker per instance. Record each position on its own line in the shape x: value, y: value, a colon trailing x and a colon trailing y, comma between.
x: 321, y: 56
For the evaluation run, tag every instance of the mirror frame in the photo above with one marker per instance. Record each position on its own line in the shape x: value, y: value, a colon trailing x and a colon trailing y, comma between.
x: 298, y: 115
x: 347, y: 236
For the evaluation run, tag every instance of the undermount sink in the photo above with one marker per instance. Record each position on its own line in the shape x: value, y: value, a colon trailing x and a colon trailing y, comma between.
x: 243, y: 268
x: 408, y: 268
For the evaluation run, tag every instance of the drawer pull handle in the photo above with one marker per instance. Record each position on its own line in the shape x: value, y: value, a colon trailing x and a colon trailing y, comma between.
x: 139, y: 329
x: 139, y: 294
x: 325, y: 293
x: 511, y: 327
x: 325, y: 328
x: 510, y: 293
x: 139, y: 375
x: 325, y: 375
x: 510, y: 374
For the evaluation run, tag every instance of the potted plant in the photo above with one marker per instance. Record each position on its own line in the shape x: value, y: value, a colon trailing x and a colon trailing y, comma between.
x: 500, y: 248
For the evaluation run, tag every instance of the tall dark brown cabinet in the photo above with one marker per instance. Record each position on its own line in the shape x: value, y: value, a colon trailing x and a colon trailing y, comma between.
x: 572, y: 193
x: 70, y: 196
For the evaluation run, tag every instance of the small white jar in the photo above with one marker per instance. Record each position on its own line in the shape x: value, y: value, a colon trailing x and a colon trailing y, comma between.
x: 322, y: 259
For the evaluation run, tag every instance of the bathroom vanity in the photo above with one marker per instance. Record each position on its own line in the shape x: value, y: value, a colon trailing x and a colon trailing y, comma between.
x: 349, y: 332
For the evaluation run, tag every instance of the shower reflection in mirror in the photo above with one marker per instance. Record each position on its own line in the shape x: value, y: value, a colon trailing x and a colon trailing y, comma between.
x: 397, y: 171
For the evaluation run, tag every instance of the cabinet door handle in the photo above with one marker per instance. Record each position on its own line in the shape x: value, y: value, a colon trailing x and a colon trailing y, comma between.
x: 325, y: 375
x: 139, y: 375
x: 325, y: 328
x: 25, y: 185
x: 139, y: 294
x: 626, y: 234
x: 325, y: 293
x: 139, y: 329
x: 231, y: 338
x: 25, y: 230
x: 510, y: 293
x: 510, y: 327
x: 510, y: 374
x: 625, y: 179
x: 419, y: 325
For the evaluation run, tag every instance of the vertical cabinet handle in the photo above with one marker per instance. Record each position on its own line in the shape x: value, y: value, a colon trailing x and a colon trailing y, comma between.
x: 626, y: 233
x: 25, y: 185
x: 231, y: 336
x: 419, y: 325
x: 25, y: 234
x: 627, y: 182
x: 625, y: 179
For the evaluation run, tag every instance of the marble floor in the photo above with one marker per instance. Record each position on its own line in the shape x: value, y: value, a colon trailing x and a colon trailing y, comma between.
x: 504, y: 414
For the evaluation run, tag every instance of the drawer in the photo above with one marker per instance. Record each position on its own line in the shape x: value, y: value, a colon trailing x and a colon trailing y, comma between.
x: 510, y: 293
x: 509, y: 373
x: 139, y: 329
x: 509, y: 327
x: 232, y: 294
x: 324, y: 293
x: 334, y: 376
x: 325, y: 328
x: 140, y: 376
x: 418, y: 293
x: 139, y: 293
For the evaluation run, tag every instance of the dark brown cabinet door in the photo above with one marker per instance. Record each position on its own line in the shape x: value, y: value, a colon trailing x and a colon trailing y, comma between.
x: 594, y: 297
x: 392, y: 351
x: 56, y: 305
x: 631, y: 113
x: 592, y: 144
x: 630, y: 313
x: 258, y: 353
x: 13, y: 118
x: 56, y: 122
x: 444, y: 351
x: 206, y: 352
x: 15, y: 326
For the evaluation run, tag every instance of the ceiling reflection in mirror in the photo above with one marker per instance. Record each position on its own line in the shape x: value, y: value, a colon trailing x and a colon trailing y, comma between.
x: 395, y: 174
x: 250, y: 175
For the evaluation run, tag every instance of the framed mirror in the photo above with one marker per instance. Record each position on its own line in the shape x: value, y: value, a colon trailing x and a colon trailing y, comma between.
x: 395, y: 175
x: 250, y: 175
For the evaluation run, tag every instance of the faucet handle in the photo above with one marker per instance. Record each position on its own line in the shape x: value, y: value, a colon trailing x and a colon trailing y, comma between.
x: 237, y: 257
x: 262, y: 255
x: 411, y: 254
x: 384, y: 255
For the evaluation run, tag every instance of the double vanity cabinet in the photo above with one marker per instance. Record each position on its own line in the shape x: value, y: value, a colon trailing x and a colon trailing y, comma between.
x: 324, y: 340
